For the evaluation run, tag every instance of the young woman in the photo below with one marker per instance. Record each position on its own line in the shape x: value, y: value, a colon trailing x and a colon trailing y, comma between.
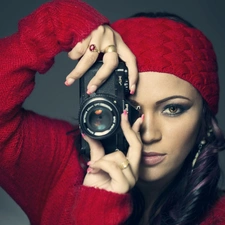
x: 171, y: 171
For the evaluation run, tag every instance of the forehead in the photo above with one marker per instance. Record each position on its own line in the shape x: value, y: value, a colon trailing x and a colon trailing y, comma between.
x: 157, y: 86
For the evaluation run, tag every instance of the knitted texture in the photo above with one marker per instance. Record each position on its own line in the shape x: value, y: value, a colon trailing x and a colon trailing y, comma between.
x: 164, y: 45
x: 98, y: 206
x: 39, y: 164
x: 217, y: 215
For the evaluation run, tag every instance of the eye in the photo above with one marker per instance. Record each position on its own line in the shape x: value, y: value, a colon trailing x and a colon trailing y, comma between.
x: 173, y: 110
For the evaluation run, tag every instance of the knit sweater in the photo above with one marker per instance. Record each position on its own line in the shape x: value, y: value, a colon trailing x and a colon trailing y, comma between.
x: 39, y: 163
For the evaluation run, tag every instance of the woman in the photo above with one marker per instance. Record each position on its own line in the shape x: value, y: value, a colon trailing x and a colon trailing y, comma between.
x: 171, y: 164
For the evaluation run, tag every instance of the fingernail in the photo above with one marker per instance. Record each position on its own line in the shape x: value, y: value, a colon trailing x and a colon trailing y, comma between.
x: 92, y: 89
x: 125, y: 113
x: 66, y: 83
x: 90, y: 163
x: 83, y: 135
x: 142, y: 117
x: 89, y: 170
x: 69, y: 81
x: 132, y: 89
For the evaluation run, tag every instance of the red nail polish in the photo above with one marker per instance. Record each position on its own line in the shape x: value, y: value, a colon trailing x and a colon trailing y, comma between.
x: 66, y: 83
x: 89, y: 163
x: 132, y: 89
x: 89, y: 170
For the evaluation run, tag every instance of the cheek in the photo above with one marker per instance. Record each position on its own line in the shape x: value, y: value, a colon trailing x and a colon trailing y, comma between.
x: 182, y: 138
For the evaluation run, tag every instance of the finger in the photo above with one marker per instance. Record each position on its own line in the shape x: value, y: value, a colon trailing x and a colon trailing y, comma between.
x: 133, y: 138
x: 82, y: 66
x: 110, y: 62
x: 123, y: 163
x: 128, y: 172
x: 96, y: 148
x: 79, y: 49
x: 89, y: 49
x: 130, y: 60
x: 137, y: 125
x: 118, y: 179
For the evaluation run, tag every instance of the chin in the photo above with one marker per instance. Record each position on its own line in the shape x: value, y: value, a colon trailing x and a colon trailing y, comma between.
x: 155, y: 174
x: 150, y: 176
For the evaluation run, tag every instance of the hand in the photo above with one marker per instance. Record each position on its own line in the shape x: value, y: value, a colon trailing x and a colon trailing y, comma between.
x: 104, y: 171
x: 102, y: 37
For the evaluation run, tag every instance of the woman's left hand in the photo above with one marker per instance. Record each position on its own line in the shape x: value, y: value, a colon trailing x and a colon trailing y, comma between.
x: 101, y: 39
x: 112, y: 171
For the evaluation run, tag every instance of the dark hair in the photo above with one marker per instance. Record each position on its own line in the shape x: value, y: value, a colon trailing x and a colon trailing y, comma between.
x: 194, y: 191
x: 166, y: 15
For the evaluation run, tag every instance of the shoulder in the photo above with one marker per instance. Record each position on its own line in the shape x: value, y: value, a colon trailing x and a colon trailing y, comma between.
x: 217, y: 214
x: 219, y: 207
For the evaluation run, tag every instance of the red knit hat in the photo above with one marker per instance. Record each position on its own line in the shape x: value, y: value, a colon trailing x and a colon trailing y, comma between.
x: 164, y: 45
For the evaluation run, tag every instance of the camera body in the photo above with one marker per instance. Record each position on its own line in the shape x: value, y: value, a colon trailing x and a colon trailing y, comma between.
x: 100, y: 112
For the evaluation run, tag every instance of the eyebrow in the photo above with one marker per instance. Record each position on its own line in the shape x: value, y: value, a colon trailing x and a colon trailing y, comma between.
x: 172, y: 97
x: 132, y: 101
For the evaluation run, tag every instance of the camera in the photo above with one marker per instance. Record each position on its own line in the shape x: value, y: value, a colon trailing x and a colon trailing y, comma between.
x: 100, y: 112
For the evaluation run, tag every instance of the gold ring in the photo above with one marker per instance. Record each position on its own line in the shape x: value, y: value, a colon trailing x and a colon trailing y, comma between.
x: 93, y: 48
x: 124, y: 164
x: 110, y: 48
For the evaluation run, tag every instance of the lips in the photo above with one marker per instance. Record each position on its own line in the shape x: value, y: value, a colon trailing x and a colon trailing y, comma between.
x: 152, y: 158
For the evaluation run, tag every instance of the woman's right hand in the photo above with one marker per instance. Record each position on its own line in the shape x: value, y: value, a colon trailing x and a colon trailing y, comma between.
x: 115, y: 172
x: 101, y: 38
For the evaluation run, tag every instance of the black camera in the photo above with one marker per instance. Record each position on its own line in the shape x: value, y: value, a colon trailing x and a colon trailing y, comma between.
x: 100, y: 112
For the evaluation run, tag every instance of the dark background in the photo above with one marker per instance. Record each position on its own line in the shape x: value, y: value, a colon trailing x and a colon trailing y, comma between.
x: 52, y: 98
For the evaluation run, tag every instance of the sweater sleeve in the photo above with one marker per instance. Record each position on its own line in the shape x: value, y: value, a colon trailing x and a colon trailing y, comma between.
x: 101, y: 207
x: 34, y: 150
x: 217, y: 214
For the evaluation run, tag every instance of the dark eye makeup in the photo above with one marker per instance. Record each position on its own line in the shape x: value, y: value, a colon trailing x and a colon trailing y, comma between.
x: 167, y: 107
x: 175, y: 109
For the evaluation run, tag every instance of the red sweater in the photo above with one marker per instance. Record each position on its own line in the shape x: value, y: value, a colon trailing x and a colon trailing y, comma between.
x: 39, y: 164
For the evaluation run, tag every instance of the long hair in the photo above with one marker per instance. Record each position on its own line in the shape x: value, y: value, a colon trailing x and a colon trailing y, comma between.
x: 194, y: 190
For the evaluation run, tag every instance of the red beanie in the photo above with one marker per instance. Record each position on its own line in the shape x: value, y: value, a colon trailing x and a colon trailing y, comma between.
x: 164, y: 45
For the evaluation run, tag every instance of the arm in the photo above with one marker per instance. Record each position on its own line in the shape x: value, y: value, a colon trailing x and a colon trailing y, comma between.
x: 29, y: 143
x: 101, y: 207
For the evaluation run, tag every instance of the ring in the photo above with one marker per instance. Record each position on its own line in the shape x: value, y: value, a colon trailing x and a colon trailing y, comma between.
x: 93, y: 48
x: 124, y: 164
x: 110, y: 48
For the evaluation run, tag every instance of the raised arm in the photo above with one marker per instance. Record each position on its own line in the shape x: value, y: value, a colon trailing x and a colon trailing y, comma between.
x: 34, y: 150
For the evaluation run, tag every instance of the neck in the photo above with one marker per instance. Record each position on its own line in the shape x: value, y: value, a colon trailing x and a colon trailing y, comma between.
x: 151, y: 191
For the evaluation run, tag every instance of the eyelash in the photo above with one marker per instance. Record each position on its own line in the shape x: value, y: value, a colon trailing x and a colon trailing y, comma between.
x: 180, y: 108
x: 177, y: 107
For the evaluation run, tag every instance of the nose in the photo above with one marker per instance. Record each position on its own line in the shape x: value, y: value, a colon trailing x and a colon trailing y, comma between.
x: 151, y: 131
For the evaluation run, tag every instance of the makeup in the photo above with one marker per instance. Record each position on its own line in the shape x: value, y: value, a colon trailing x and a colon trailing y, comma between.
x: 152, y: 158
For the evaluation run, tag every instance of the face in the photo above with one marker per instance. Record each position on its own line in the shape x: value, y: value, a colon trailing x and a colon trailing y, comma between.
x: 172, y: 111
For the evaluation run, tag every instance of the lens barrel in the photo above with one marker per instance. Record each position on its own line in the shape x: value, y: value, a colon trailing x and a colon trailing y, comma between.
x: 99, y: 117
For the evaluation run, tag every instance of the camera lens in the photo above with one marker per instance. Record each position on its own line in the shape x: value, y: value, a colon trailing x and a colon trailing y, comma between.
x: 99, y: 117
